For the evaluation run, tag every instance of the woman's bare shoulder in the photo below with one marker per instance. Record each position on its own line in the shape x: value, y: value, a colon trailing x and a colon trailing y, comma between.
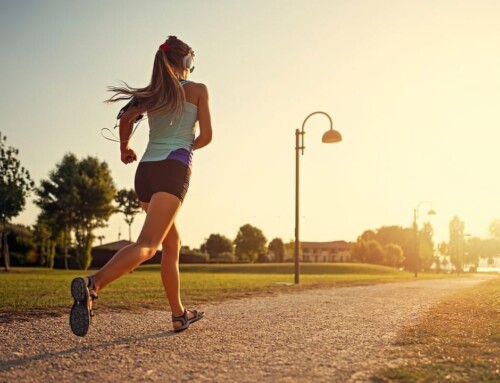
x: 196, y: 86
x: 196, y: 91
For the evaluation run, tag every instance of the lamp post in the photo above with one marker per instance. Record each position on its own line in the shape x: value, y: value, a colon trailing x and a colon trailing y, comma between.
x: 415, y: 228
x: 464, y: 252
x: 329, y: 136
x: 457, y: 243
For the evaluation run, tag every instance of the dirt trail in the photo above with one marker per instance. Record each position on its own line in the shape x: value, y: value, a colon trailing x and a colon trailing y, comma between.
x: 327, y: 335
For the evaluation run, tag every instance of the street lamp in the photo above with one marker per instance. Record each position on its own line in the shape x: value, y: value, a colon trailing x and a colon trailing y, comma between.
x: 415, y: 228
x: 330, y: 136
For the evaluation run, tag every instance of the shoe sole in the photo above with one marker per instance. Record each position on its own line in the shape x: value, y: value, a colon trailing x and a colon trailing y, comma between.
x: 79, y: 317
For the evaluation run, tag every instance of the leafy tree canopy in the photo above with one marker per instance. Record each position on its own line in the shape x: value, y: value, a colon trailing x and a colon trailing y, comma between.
x: 249, y: 243
x: 15, y: 182
x: 129, y: 205
x: 278, y: 248
x: 78, y: 195
x: 15, y: 186
x: 216, y: 245
x: 495, y: 229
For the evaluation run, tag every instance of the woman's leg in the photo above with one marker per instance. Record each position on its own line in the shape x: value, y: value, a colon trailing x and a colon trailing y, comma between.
x: 170, y: 270
x: 170, y: 273
x: 160, y: 216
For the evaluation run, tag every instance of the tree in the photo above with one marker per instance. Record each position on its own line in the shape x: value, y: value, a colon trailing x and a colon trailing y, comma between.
x: 249, y: 243
x: 426, y: 246
x: 226, y: 257
x: 358, y: 250
x: 404, y: 237
x: 393, y: 255
x: 59, y: 200
x: 456, y: 243
x: 129, y: 205
x: 289, y: 249
x: 388, y: 245
x: 491, y: 262
x: 374, y: 253
x: 386, y: 235
x: 444, y: 263
x: 45, y: 244
x: 96, y: 191
x: 216, y: 245
x: 15, y: 187
x: 443, y: 249
x: 369, y: 235
x: 495, y: 229
x: 490, y: 249
x: 369, y: 251
x: 473, y: 251
x: 389, y: 234
x: 20, y: 244
x: 442, y: 255
x: 77, y: 198
x: 278, y: 249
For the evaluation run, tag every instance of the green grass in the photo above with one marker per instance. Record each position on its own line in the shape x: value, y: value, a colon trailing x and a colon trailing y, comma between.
x: 28, y: 292
x: 460, y: 336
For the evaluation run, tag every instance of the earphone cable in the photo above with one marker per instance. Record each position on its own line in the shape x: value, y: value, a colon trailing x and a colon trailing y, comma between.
x: 117, y: 139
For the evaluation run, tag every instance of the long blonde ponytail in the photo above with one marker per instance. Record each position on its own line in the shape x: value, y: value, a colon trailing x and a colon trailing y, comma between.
x: 164, y: 93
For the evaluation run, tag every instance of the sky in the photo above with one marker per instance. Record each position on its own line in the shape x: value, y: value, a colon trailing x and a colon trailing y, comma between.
x: 413, y: 87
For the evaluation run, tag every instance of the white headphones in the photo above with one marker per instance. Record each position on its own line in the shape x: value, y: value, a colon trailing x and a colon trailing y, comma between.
x: 188, y: 63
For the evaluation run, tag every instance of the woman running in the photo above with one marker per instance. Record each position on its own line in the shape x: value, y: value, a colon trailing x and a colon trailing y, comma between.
x: 173, y: 105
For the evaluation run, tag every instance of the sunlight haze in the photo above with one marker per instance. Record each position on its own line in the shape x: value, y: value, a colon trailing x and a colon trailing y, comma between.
x: 413, y: 87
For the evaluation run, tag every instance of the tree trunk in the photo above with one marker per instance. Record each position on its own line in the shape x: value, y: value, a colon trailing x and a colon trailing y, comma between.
x: 66, y: 267
x: 47, y: 252
x: 52, y: 254
x: 79, y: 248
x: 88, y: 250
x: 65, y: 239
x: 4, y: 245
x: 1, y: 243
x: 84, y: 247
x: 5, y: 248
x: 130, y: 232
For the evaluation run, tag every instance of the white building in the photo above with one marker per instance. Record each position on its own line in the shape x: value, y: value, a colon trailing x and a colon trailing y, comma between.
x: 336, y: 251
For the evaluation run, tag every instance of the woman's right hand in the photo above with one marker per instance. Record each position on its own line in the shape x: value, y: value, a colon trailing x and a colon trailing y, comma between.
x: 128, y: 156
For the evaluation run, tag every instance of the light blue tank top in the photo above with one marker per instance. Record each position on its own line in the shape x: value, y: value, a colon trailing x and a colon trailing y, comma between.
x: 170, y: 137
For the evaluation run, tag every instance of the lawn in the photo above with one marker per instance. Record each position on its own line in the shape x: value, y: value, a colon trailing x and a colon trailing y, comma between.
x: 29, y: 292
x: 457, y: 341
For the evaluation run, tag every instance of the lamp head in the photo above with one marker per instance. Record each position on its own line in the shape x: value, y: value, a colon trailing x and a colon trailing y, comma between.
x: 331, y: 136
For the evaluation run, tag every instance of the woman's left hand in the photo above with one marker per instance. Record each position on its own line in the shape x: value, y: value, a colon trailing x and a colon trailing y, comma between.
x: 128, y: 156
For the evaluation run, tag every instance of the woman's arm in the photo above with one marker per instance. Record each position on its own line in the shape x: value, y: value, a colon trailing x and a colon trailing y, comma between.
x: 205, y: 136
x: 126, y: 125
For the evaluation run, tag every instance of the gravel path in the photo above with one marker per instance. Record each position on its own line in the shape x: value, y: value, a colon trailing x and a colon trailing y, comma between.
x: 327, y: 335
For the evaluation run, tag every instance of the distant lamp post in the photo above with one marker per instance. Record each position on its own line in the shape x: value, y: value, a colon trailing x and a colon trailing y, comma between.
x: 415, y: 228
x: 464, y: 254
x: 330, y: 136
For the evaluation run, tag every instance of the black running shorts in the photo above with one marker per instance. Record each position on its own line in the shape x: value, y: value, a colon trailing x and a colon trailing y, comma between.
x: 169, y: 176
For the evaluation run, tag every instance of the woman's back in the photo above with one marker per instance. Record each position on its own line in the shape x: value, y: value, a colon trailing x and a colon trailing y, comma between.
x: 168, y: 133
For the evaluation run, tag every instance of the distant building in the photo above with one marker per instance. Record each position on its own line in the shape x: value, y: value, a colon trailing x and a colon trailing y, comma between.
x: 103, y: 253
x: 336, y: 251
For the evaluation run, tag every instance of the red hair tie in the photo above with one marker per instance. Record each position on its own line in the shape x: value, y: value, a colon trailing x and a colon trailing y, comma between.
x: 165, y: 47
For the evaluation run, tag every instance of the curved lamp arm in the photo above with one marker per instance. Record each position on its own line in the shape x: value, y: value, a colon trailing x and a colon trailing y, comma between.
x: 431, y: 211
x: 319, y: 112
x: 328, y: 137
